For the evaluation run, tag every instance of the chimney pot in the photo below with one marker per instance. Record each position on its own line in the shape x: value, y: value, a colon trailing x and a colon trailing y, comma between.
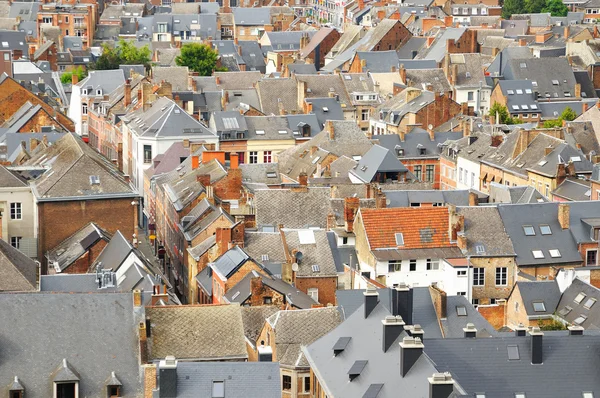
x: 392, y: 328
x: 411, y: 349
x: 470, y: 330
x: 441, y: 385
x: 575, y: 330
x: 520, y: 331
x: 371, y: 300
x: 563, y: 215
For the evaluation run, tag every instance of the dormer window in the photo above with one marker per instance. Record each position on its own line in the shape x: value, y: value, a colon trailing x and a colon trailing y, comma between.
x: 113, y: 386
x: 65, y: 381
x: 422, y: 151
x: 16, y: 389
x: 99, y: 92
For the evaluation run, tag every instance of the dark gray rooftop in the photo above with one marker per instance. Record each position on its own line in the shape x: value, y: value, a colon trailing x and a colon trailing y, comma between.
x: 533, y: 293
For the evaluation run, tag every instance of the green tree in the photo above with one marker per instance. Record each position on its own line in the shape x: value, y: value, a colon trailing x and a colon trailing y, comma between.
x: 556, y: 7
x: 551, y: 324
x: 503, y: 115
x: 567, y: 114
x: 534, y: 6
x: 199, y: 58
x: 511, y: 7
x: 67, y: 77
x: 124, y: 53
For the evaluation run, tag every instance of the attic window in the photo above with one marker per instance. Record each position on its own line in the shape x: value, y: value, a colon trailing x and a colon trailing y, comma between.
x: 94, y: 180
x: 565, y: 311
x: 580, y: 298
x: 555, y: 82
x: 513, y: 352
x: 529, y: 231
x: 399, y: 239
x: 589, y: 303
x: 554, y: 253
x: 539, y: 306
x: 260, y: 132
x: 510, y: 92
x: 341, y: 345
x: 537, y: 254
x: 282, y: 132
x: 545, y: 230
x: 218, y: 389
x: 480, y: 249
x: 519, y: 91
x: 461, y: 310
x: 4, y: 44
x: 580, y: 319
x: 523, y: 65
x: 356, y: 369
x: 271, y: 174
x: 325, y: 109
x: 316, y: 268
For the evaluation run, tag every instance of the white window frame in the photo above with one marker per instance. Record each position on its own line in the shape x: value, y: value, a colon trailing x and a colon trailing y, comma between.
x: 313, y: 292
x: 503, y: 270
x: 15, y: 241
x: 480, y: 280
x: 16, y: 211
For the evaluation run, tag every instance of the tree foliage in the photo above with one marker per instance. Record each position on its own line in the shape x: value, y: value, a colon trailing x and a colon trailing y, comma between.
x: 511, y: 7
x: 503, y: 115
x: 567, y: 114
x: 551, y: 324
x: 199, y: 58
x: 67, y: 77
x: 556, y: 7
x: 124, y: 53
x: 534, y: 6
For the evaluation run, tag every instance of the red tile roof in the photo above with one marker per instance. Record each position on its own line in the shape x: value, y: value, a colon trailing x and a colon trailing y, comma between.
x: 421, y: 227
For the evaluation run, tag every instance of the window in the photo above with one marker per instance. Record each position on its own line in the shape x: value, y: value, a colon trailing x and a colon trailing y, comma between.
x: 529, y: 231
x: 47, y: 20
x: 267, y: 157
x: 470, y: 96
x: 501, y: 273
x: 580, y: 319
x: 429, y: 171
x: 472, y: 179
x: 15, y: 241
x: 364, y: 115
x: 545, y: 230
x: 433, y: 264
x: 66, y: 390
x: 539, y: 306
x: 287, y: 382
x: 6, y: 56
x: 589, y: 303
x: 16, y: 394
x: 537, y: 254
x: 147, y: 153
x: 15, y: 211
x: 460, y: 174
x: 114, y: 391
x: 313, y: 292
x: 267, y: 300
x: 307, y: 384
x: 475, y: 302
x: 478, y: 276
x: 591, y: 257
x: 399, y: 239
x: 461, y: 273
x: 253, y: 157
x: 492, y: 301
x: 554, y: 253
x: 513, y: 352
x: 218, y: 389
x: 418, y: 172
x: 579, y: 298
x: 84, y: 109
x: 413, y: 265
x: 394, y: 265
x: 461, y: 310
x: 461, y: 293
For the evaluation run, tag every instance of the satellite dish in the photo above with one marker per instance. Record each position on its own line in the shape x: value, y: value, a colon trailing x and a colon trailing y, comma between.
x: 430, y: 127
x: 295, y: 267
x: 299, y: 256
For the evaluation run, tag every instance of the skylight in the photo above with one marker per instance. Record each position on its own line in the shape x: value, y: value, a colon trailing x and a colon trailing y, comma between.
x: 542, y: 162
x: 510, y: 92
x: 580, y: 298
x: 555, y: 253
x: 580, y: 319
x: 539, y: 306
x: 519, y: 91
x: 528, y: 91
x: 576, y: 158
x: 513, y: 352
x: 529, y: 231
x: 565, y: 311
x: 534, y: 83
x: 525, y: 107
x: 588, y: 395
x: 515, y: 107
x: 400, y: 239
x: 537, y: 254
x: 520, y: 395
x: 461, y: 310
x: 260, y: 132
x: 589, y: 303
x: 545, y: 230
x: 306, y: 237
x: 555, y: 82
x: 533, y: 106
x: 316, y: 268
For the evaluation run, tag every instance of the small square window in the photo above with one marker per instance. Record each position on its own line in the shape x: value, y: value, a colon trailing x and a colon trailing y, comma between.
x: 461, y: 311
x: 555, y: 253
x: 537, y: 254
x: 529, y: 231
x: 513, y: 352
x: 588, y: 395
x: 539, y: 306
x: 400, y: 239
x: 520, y: 395
x: 545, y: 230
x: 580, y: 319
x: 589, y: 303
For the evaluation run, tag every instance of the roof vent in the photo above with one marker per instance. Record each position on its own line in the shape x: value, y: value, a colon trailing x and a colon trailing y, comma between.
x: 341, y: 345
x: 470, y: 330
x: 357, y: 369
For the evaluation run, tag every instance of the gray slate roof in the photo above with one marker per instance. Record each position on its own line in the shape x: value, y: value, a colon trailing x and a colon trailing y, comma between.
x: 485, y: 233
x: 546, y: 292
x: 17, y: 271
x: 377, y: 160
x: 569, y: 310
x: 292, y: 209
x: 99, y: 338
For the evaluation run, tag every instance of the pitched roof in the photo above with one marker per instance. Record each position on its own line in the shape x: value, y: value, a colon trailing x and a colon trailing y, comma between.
x: 377, y: 160
x: 71, y: 249
x: 17, y: 271
x: 176, y: 75
x: 421, y: 227
x: 297, y: 328
x: 254, y: 319
x: 485, y: 232
x: 109, y: 318
x: 70, y: 167
x: 571, y: 310
x: 212, y: 332
x: 545, y: 292
x: 292, y: 209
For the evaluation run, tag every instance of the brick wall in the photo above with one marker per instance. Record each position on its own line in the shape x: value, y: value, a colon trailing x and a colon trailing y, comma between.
x: 439, y: 299
x: 489, y: 290
x: 229, y: 187
x: 494, y: 314
x: 394, y: 38
x: 326, y: 285
x: 83, y: 263
x: 259, y: 291
x: 149, y: 380
x: 59, y: 220
x: 411, y: 163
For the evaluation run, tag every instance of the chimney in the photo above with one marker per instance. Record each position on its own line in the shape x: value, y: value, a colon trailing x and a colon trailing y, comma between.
x: 234, y: 161
x: 563, y: 215
x: 74, y: 79
x: 186, y: 143
x: 204, y: 179
x: 584, y: 107
x: 454, y: 74
x: 410, y: 351
x: 137, y: 298
x: 566, y: 32
x: 520, y: 331
x: 33, y: 143
x: 280, y: 107
x: 473, y: 199
x: 403, y: 74
x: 45, y: 139
x: 127, y: 93
x: 575, y: 330
x: 402, y: 302
x: 303, y: 179
x: 143, y: 332
x: 431, y: 132
x: 330, y: 129
x: 440, y: 301
x: 224, y: 99
x: 393, y: 326
x: 441, y: 385
x: 223, y: 240
x: 351, y: 206
x: 461, y: 241
x: 470, y: 331
x: 548, y: 150
x: 497, y: 139
x: 371, y: 300
x: 537, y: 354
x: 363, y: 65
x: 522, y: 42
x: 195, y: 162
x: 167, y: 378
x: 578, y: 90
x: 415, y: 331
x: 361, y: 4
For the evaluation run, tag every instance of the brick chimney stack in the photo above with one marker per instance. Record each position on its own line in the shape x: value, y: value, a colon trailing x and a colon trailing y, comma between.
x: 127, y: 93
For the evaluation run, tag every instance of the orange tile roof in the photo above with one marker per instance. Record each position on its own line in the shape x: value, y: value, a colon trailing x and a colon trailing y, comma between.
x: 421, y: 227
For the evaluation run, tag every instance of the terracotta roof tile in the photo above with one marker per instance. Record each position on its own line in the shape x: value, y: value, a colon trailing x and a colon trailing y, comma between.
x: 421, y: 227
